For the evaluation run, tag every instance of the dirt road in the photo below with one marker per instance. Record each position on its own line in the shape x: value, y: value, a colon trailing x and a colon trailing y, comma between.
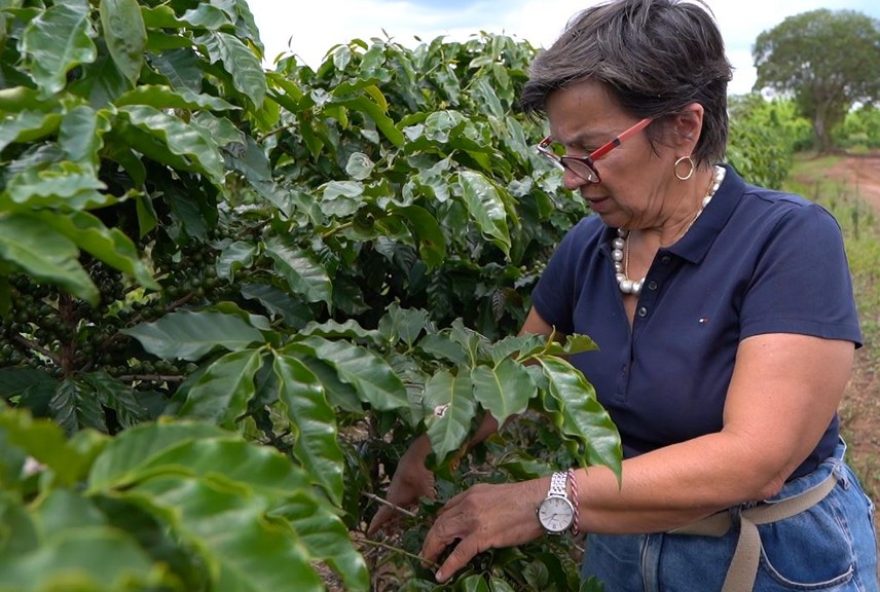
x: 864, y: 173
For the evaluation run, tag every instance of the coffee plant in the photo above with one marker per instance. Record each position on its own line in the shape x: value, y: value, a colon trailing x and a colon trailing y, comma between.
x: 230, y: 297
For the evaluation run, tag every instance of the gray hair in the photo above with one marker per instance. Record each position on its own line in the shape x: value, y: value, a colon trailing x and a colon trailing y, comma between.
x: 655, y: 56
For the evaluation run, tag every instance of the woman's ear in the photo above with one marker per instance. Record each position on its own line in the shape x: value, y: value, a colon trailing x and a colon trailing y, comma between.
x: 686, y: 127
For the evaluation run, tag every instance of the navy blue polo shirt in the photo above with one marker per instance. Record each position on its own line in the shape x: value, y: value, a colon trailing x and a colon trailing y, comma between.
x: 755, y: 261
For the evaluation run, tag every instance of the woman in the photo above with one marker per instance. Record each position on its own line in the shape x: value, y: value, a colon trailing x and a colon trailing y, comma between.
x: 726, y: 328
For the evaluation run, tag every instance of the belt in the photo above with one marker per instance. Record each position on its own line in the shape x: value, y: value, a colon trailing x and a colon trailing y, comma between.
x: 744, y: 565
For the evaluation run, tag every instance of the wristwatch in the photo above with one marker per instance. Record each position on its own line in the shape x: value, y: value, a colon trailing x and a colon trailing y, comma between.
x: 556, y: 512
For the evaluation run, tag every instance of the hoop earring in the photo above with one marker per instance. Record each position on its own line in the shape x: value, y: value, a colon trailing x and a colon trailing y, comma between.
x: 690, y: 173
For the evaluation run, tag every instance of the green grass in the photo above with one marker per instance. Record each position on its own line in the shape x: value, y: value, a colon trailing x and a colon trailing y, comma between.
x: 860, y: 410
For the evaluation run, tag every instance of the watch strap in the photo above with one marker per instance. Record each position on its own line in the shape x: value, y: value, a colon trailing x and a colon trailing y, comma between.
x: 559, y: 485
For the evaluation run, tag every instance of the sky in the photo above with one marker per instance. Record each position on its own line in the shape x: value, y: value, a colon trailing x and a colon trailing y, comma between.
x: 308, y: 28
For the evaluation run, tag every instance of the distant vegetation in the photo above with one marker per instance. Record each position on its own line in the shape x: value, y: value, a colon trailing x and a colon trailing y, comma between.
x: 826, y: 60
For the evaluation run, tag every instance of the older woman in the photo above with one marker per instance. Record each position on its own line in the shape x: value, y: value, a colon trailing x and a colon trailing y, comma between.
x: 726, y: 327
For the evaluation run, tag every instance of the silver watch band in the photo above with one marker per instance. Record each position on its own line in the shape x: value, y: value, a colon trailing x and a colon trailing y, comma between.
x: 559, y: 485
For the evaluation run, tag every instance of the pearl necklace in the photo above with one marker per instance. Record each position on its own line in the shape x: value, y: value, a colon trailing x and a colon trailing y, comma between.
x: 620, y: 250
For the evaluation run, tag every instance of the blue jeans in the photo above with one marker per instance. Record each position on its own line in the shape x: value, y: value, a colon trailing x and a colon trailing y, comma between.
x: 830, y: 547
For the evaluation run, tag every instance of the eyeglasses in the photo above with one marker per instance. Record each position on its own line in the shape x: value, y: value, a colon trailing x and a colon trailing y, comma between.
x: 584, y: 166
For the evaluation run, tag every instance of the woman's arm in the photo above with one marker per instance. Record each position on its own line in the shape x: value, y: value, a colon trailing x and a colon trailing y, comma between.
x: 783, y: 394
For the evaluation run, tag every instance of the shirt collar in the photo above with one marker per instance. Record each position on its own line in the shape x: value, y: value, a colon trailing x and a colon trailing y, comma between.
x: 694, y: 245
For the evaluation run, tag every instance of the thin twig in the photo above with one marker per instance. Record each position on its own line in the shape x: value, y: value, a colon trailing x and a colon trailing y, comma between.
x: 38, y: 348
x: 376, y: 498
x: 398, y: 550
x: 152, y: 377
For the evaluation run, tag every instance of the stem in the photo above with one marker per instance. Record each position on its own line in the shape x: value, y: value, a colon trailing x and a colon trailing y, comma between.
x: 333, y: 231
x: 398, y: 550
x: 395, y: 507
x: 271, y: 133
x: 152, y: 377
x: 38, y: 348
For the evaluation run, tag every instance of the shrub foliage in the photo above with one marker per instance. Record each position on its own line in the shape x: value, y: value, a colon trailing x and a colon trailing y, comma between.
x: 230, y: 296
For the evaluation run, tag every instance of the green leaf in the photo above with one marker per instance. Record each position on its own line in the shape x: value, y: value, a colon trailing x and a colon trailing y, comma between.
x: 122, y: 461
x: 102, y: 558
x: 181, y: 67
x: 73, y: 407
x: 18, y: 99
x: 486, y: 208
x: 499, y: 585
x: 449, y: 410
x: 160, y: 17
x: 339, y: 394
x: 359, y: 166
x: 350, y: 329
x: 523, y: 346
x: 327, y: 539
x: 441, y: 346
x: 101, y: 82
x: 27, y: 126
x: 206, y: 16
x: 234, y: 256
x: 81, y: 135
x: 64, y: 185
x: 113, y: 394
x: 427, y: 233
x: 260, y: 468
x: 191, y: 335
x: 581, y: 416
x: 56, y: 41
x: 244, y: 550
x: 303, y: 273
x: 62, y: 511
x: 111, y: 246
x: 377, y: 114
x: 19, y: 534
x: 314, y: 424
x: 125, y: 35
x: 146, y: 213
x: 172, y: 134
x: 474, y: 583
x: 240, y: 62
x: 341, y: 198
x: 164, y: 97
x: 45, y: 254
x: 373, y: 379
x: 504, y: 390
x: 45, y: 441
x: 279, y: 303
x: 222, y: 393
x: 574, y: 344
x: 404, y: 324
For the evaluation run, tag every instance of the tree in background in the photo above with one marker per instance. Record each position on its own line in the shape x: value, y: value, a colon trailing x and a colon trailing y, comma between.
x: 827, y: 60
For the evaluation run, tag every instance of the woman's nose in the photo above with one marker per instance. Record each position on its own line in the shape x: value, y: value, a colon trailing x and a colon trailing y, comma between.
x: 572, y: 181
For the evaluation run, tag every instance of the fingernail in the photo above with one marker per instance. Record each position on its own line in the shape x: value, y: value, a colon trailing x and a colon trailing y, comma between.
x: 439, y: 576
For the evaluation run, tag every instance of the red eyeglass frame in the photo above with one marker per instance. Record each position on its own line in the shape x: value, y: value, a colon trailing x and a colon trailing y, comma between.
x: 589, y: 160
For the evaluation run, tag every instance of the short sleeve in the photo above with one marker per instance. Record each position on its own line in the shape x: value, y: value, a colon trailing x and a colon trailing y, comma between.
x: 554, y: 296
x: 802, y: 282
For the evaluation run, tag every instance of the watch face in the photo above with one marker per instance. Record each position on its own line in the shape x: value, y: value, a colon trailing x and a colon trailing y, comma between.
x: 555, y: 514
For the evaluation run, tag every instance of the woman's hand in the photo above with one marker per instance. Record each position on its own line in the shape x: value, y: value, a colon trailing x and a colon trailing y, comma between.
x: 485, y: 517
x: 411, y: 481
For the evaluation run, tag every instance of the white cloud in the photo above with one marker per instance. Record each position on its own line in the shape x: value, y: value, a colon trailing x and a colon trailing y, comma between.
x: 309, y: 29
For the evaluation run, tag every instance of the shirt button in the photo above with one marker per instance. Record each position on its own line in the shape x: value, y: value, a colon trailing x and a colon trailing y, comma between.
x: 652, y: 285
x: 643, y: 312
x: 665, y: 259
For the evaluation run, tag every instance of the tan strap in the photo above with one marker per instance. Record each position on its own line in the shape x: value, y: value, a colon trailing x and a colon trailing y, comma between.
x: 744, y: 566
